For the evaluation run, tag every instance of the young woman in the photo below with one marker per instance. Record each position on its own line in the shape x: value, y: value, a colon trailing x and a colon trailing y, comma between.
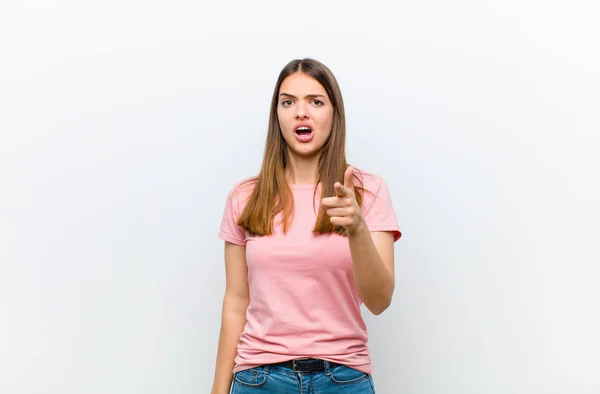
x: 306, y: 242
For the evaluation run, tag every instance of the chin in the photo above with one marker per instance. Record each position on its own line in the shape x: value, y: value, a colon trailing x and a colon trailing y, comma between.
x: 306, y: 152
x: 309, y: 149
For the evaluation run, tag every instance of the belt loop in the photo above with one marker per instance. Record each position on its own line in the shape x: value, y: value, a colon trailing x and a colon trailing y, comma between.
x: 327, y: 367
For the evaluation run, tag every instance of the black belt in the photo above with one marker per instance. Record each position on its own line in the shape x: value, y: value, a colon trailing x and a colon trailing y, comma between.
x: 305, y: 365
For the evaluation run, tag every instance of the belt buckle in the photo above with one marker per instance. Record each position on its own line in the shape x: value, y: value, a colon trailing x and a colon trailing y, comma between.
x: 294, y: 364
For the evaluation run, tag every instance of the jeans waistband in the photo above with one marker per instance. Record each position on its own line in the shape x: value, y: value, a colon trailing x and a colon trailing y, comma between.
x: 305, y: 365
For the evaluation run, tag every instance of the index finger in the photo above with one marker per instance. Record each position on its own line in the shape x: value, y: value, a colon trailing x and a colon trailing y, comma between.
x: 340, y: 190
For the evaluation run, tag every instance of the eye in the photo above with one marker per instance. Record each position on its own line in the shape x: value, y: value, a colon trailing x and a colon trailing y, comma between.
x: 318, y: 103
x: 286, y: 103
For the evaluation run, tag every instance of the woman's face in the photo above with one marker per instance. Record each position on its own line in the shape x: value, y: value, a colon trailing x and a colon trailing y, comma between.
x: 305, y: 114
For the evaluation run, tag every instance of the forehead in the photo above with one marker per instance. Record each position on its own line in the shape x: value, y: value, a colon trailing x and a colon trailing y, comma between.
x: 301, y: 84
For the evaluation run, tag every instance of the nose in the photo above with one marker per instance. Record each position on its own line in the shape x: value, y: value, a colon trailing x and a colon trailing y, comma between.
x: 301, y: 111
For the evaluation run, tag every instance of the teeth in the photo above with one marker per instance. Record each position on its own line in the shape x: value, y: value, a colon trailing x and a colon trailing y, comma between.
x: 303, y: 128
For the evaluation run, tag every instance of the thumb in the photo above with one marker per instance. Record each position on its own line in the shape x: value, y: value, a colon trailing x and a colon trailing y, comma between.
x: 349, y: 179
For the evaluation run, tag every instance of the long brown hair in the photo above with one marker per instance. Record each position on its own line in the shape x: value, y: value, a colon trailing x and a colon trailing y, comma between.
x: 271, y: 193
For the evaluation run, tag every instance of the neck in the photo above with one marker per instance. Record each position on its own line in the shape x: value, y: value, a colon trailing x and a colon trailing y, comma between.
x: 302, y: 170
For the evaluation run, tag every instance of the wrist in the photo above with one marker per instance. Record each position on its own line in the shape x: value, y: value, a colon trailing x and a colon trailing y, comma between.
x: 359, y: 229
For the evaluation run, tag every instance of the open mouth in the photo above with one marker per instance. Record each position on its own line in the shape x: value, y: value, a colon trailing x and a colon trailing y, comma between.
x: 303, y: 130
x: 304, y: 133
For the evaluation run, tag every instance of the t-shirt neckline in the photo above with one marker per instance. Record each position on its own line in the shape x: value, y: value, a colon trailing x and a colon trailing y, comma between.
x: 300, y: 186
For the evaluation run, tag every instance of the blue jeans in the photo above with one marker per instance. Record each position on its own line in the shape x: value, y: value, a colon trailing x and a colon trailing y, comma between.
x: 281, y: 380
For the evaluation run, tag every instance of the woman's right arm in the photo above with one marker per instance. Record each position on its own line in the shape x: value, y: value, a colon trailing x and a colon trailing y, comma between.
x: 233, y: 319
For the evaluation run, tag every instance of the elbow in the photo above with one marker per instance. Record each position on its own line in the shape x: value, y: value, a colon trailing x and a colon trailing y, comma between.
x: 377, y: 308
x: 235, y: 304
x: 378, y: 301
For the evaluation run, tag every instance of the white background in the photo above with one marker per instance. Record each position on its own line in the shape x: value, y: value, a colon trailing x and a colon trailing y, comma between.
x: 124, y: 124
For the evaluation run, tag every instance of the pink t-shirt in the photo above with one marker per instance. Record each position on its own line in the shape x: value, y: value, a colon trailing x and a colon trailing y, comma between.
x: 303, y: 299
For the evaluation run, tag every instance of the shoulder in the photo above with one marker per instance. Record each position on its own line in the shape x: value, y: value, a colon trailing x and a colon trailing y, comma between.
x: 242, y: 189
x: 245, y: 185
x: 369, y: 180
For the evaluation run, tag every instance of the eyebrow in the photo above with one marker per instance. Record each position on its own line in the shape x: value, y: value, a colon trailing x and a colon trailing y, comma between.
x: 307, y: 96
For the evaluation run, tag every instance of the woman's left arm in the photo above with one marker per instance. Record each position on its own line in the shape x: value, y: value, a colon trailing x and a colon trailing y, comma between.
x: 373, y: 262
x: 372, y: 252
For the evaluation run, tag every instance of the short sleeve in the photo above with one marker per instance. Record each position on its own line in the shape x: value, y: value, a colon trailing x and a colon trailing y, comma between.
x: 230, y: 231
x: 378, y: 209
